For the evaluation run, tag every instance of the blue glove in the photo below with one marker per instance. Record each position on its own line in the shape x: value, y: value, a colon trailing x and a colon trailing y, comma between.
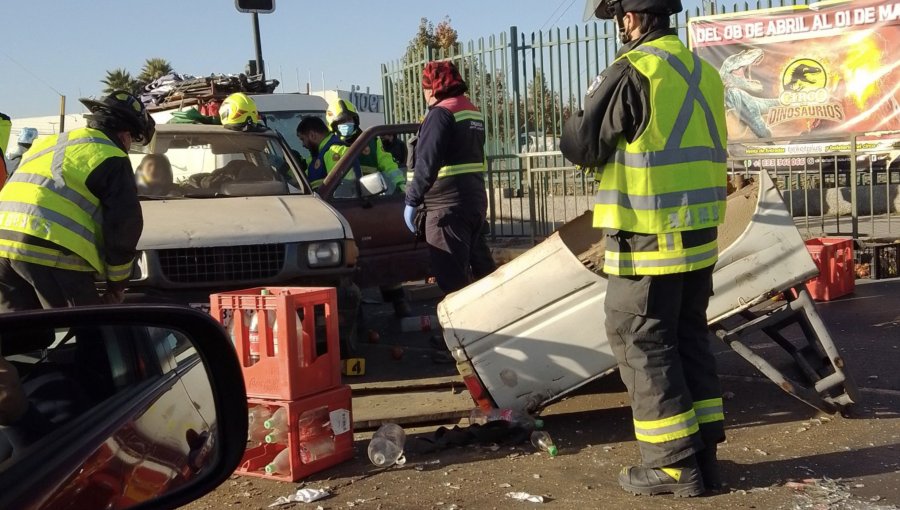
x: 409, y: 215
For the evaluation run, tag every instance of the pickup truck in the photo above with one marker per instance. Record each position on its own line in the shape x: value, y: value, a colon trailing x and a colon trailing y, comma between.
x: 532, y: 331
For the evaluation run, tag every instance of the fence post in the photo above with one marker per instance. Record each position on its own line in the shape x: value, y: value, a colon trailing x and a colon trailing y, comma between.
x: 514, y: 70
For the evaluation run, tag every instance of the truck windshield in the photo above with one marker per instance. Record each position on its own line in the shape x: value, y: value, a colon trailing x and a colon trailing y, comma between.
x: 209, y: 165
x: 285, y: 122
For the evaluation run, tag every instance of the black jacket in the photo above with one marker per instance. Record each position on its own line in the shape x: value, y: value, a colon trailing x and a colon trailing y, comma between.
x: 617, y: 104
x: 443, y: 141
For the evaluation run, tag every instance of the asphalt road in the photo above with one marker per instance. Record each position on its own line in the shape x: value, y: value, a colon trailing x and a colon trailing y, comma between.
x: 780, y: 452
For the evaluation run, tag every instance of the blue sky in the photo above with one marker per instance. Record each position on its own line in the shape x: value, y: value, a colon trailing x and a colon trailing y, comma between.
x: 68, y: 45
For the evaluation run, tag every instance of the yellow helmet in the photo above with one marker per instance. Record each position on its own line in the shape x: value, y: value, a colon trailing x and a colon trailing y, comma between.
x: 238, y: 112
x: 341, y: 112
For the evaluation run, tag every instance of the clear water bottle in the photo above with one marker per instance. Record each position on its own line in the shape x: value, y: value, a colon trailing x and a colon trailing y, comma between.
x: 256, y: 428
x: 278, y: 421
x: 278, y: 436
x: 543, y: 442
x: 515, y: 418
x: 386, y: 447
x: 281, y: 464
x: 316, y: 449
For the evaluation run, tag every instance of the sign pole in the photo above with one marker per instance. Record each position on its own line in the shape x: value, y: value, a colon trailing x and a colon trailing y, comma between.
x: 256, y: 40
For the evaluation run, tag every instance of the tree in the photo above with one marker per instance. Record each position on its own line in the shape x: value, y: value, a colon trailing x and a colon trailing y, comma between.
x: 154, y: 68
x: 118, y: 79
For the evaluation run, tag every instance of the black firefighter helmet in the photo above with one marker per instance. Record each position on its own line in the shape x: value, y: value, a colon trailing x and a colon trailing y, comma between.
x: 606, y: 9
x: 126, y: 112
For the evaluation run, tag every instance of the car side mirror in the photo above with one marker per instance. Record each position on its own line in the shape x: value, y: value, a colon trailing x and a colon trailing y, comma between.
x: 97, y: 402
x: 373, y: 184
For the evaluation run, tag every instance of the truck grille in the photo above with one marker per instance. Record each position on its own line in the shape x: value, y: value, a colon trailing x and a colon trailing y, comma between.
x: 222, y: 264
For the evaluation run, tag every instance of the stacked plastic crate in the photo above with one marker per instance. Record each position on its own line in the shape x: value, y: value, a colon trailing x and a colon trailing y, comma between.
x: 300, y: 416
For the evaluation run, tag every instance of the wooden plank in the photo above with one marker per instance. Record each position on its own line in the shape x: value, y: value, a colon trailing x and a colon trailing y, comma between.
x: 429, y: 406
x: 448, y: 382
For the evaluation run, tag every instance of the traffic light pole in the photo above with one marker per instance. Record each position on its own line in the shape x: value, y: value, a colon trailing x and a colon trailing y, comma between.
x: 259, y: 60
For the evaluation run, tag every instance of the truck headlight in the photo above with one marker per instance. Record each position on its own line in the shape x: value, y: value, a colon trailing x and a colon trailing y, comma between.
x: 326, y: 254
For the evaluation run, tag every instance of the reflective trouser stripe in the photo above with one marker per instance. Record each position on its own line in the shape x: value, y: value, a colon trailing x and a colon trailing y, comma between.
x: 465, y: 168
x: 661, y: 262
x: 42, y: 256
x: 120, y: 272
x: 709, y: 411
x: 667, y: 429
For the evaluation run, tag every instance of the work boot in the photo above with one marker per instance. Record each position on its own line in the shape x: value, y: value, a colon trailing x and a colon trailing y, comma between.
x: 709, y: 468
x: 402, y: 309
x: 682, y: 479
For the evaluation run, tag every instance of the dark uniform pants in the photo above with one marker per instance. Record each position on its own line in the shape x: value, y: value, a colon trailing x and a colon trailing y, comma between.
x: 26, y: 286
x: 658, y: 331
x: 451, y: 235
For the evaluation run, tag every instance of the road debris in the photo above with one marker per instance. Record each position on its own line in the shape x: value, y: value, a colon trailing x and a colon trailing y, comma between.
x: 524, y: 496
x: 827, y: 493
x: 301, y: 496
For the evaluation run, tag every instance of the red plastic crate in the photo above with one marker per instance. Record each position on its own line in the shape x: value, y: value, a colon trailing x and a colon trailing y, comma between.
x: 299, y: 367
x: 339, y: 429
x: 834, y: 258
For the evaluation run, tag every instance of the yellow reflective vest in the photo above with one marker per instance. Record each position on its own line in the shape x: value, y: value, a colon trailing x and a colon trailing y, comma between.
x: 48, y: 198
x: 672, y: 177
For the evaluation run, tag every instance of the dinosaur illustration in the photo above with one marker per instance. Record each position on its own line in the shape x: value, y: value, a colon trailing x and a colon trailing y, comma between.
x: 803, y: 74
x: 740, y: 88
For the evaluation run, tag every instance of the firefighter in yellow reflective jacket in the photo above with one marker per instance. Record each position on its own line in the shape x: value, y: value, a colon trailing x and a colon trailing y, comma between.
x: 343, y: 120
x: 654, y: 128
x: 324, y: 148
x: 71, y: 212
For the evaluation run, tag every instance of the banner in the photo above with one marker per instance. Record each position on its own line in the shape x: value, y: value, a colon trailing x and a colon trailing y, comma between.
x: 831, y: 68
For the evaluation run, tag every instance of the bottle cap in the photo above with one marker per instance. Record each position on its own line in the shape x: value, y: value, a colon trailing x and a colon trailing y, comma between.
x: 552, y: 451
x: 538, y: 423
x: 264, y: 292
x: 269, y: 424
x: 270, y: 469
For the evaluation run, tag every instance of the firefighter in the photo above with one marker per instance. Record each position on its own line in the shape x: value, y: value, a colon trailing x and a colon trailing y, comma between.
x: 71, y: 211
x: 448, y: 176
x: 324, y: 147
x: 653, y: 131
x: 343, y: 120
x: 239, y: 113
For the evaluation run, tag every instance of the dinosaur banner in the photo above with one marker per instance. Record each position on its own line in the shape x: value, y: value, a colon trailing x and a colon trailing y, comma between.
x: 807, y: 71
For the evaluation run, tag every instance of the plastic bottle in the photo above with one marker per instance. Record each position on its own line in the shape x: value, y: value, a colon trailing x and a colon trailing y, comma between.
x: 281, y: 464
x: 543, y: 442
x: 256, y: 429
x: 253, y: 335
x: 279, y: 436
x: 278, y: 421
x: 419, y: 323
x: 316, y: 449
x: 515, y: 417
x: 386, y: 447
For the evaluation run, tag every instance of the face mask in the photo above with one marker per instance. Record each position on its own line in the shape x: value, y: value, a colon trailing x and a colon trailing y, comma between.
x: 346, y: 129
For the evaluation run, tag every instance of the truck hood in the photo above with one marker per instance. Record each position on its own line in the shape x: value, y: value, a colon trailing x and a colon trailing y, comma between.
x: 190, y: 223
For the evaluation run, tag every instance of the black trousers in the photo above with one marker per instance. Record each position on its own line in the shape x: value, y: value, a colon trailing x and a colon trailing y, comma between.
x: 658, y: 330
x: 451, y: 234
x: 26, y: 286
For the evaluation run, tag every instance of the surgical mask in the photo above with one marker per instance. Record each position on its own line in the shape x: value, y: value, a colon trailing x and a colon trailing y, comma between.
x: 346, y: 129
